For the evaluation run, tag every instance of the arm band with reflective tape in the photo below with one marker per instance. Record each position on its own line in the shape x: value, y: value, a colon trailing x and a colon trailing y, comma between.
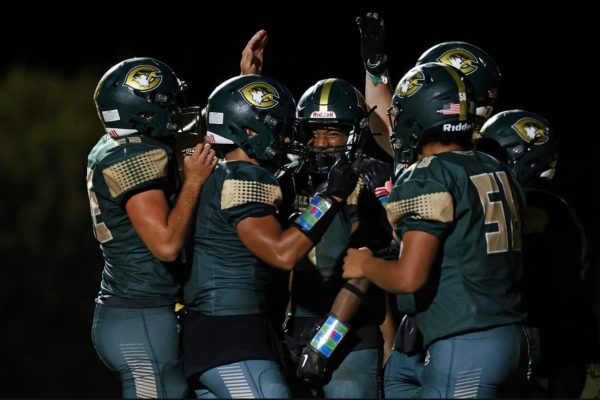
x: 317, y: 216
x: 329, y: 336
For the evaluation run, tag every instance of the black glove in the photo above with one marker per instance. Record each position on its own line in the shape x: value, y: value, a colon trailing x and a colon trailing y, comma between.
x: 342, y: 179
x: 285, y: 178
x: 377, y: 175
x: 372, y: 43
x: 312, y: 368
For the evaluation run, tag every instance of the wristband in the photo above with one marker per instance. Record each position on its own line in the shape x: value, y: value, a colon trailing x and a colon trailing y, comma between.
x: 377, y: 79
x: 382, y: 194
x: 317, y: 216
x: 329, y: 336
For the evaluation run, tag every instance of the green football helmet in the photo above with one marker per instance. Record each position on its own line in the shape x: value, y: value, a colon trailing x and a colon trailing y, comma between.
x: 431, y: 99
x: 477, y: 65
x: 142, y: 95
x: 528, y: 143
x: 256, y: 103
x: 331, y: 103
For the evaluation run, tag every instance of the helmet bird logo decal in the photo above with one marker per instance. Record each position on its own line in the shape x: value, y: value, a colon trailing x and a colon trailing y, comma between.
x: 410, y: 84
x: 461, y: 59
x: 260, y: 94
x: 531, y: 130
x: 143, y: 78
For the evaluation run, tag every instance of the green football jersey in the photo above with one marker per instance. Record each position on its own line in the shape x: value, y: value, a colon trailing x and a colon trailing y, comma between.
x: 470, y: 202
x: 117, y: 169
x: 226, y: 277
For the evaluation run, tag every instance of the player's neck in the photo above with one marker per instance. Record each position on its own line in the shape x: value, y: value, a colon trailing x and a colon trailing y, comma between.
x: 434, y: 148
x: 239, y: 155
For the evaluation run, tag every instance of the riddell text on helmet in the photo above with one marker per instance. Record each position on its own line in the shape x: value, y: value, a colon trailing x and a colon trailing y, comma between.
x: 456, y: 128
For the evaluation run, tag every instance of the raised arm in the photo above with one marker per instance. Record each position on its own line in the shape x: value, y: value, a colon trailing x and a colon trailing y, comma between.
x: 378, y: 90
x: 252, y: 55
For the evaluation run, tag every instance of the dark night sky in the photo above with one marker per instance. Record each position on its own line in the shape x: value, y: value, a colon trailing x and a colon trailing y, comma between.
x: 541, y: 53
x: 537, y: 49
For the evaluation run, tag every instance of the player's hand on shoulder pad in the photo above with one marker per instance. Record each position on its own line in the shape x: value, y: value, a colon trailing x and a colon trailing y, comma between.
x: 199, y: 164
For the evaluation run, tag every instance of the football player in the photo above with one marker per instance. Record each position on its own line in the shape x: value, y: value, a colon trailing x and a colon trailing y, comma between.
x: 555, y: 255
x: 228, y: 346
x: 457, y: 214
x: 402, y: 372
x: 333, y: 121
x: 131, y: 181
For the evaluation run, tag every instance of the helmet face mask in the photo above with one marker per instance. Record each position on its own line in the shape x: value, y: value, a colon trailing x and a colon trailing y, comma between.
x: 330, y: 105
x: 323, y: 145
x: 477, y: 65
x: 142, y: 95
x: 254, y: 113
x: 528, y: 141
x: 432, y: 100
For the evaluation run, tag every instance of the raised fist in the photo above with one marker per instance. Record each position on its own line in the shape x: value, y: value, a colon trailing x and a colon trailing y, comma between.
x: 372, y: 43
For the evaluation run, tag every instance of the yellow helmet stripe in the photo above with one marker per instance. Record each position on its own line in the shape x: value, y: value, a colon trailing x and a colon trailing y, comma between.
x: 324, y: 100
x: 462, y: 92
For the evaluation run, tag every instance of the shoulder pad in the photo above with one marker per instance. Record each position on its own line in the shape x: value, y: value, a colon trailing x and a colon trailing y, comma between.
x: 248, y: 183
x: 132, y: 164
